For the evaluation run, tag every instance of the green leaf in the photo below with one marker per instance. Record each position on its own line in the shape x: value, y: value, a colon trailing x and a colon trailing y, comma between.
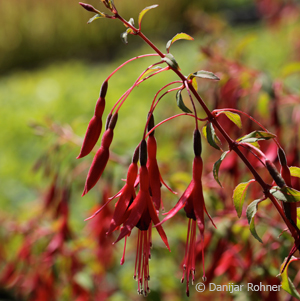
x: 142, y: 13
x: 204, y: 131
x: 286, y: 194
x: 298, y: 217
x: 124, y: 37
x: 98, y: 16
x: 256, y: 136
x: 170, y: 60
x: 250, y: 213
x: 235, y: 118
x: 211, y: 136
x: 179, y: 36
x: 217, y: 167
x: 180, y: 102
x: 295, y: 171
x: 205, y: 74
x: 239, y: 195
x: 149, y: 71
x: 286, y: 282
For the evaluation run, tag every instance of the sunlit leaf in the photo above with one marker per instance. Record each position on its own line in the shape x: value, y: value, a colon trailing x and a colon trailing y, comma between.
x: 204, y: 131
x: 235, y: 118
x: 149, y: 71
x: 217, y: 167
x: 179, y: 36
x: 180, y: 102
x: 250, y: 213
x: 256, y: 136
x: 298, y: 217
x: 239, y: 195
x: 286, y: 282
x: 205, y: 74
x: 170, y: 60
x: 295, y: 171
x: 211, y: 136
x: 98, y: 16
x: 142, y: 13
x: 286, y: 194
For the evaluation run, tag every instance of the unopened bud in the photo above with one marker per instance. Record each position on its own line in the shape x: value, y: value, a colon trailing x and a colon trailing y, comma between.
x: 151, y: 124
x: 104, y: 89
x: 143, y: 153
x: 282, y: 157
x: 108, y: 120
x: 113, y: 121
x: 135, y: 157
x: 275, y: 174
x: 88, y: 7
x: 197, y: 143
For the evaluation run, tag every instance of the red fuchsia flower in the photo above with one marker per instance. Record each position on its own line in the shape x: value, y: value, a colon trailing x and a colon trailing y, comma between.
x: 95, y: 125
x: 101, y: 158
x: 155, y: 178
x: 140, y: 213
x: 192, y: 201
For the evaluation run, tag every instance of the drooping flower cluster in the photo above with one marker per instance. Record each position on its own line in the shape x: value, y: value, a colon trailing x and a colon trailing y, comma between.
x: 140, y: 209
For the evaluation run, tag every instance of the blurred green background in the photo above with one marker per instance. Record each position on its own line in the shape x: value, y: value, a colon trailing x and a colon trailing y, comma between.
x: 52, y: 65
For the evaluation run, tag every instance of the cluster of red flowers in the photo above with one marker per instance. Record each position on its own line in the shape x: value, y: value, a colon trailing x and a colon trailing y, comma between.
x: 141, y: 209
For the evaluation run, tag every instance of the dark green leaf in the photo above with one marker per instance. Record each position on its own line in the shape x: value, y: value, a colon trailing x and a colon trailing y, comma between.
x: 180, y: 102
x: 239, y: 195
x: 217, y: 167
x: 250, y: 213
x: 170, y: 60
x: 211, y: 136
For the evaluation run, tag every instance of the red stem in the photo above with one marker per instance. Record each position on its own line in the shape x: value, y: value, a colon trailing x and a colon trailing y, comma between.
x: 211, y: 117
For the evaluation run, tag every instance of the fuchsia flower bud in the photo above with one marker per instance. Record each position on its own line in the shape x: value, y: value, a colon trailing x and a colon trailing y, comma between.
x: 91, y: 137
x: 95, y: 125
x: 101, y: 158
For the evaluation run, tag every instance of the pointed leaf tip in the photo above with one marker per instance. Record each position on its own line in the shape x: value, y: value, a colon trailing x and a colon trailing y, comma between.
x: 142, y: 13
x: 239, y: 196
x: 180, y: 102
x: 250, y: 213
x: 217, y: 167
x: 179, y: 36
x: 206, y: 74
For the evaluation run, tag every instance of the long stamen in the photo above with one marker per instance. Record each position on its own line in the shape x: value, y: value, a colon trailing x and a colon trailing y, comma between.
x: 123, y: 257
x: 139, y: 261
x: 137, y: 254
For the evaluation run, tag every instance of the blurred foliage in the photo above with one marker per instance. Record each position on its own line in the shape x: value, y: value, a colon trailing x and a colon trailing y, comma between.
x: 56, y: 103
x: 36, y: 32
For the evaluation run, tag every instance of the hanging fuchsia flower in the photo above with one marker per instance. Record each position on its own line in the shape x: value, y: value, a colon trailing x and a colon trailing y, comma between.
x: 192, y: 201
x: 140, y: 213
x: 95, y: 125
x: 101, y: 157
x: 155, y: 178
x: 126, y: 196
